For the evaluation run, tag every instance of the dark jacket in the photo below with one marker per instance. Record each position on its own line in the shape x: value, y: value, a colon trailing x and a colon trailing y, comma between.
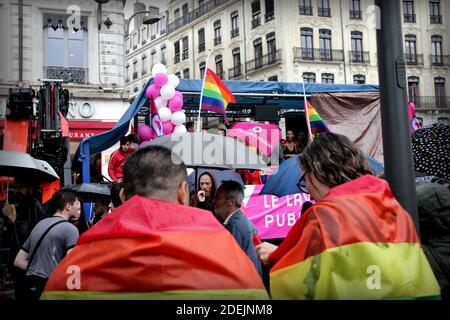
x: 243, y: 230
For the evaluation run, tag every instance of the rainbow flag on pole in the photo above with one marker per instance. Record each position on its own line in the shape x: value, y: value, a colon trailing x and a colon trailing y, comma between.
x: 356, y: 243
x: 215, y: 94
x: 151, y: 249
x: 314, y: 121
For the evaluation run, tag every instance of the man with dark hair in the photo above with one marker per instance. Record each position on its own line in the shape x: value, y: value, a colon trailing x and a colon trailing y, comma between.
x: 154, y: 246
x: 115, y: 194
x: 118, y: 158
x: 51, y: 239
x: 190, y: 126
x: 227, y: 204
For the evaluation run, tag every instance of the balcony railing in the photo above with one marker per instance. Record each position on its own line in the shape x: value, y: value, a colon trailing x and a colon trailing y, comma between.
x: 74, y: 75
x: 135, y: 75
x: 176, y: 58
x: 440, y: 60
x: 437, y: 19
x: 414, y: 59
x: 194, y: 14
x: 234, y: 33
x: 356, y: 14
x: 217, y: 40
x: 263, y: 61
x: 409, y: 17
x: 324, y: 12
x: 310, y: 54
x: 201, y: 47
x: 305, y: 10
x: 256, y: 22
x: 235, y: 72
x: 270, y: 16
x: 430, y: 102
x: 185, y: 55
x: 359, y: 57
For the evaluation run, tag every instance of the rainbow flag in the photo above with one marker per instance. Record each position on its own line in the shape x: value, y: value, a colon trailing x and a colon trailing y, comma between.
x: 215, y: 94
x: 356, y: 243
x: 314, y: 121
x: 151, y: 249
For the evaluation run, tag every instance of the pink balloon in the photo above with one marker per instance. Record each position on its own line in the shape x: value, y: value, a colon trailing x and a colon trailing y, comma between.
x: 160, y: 79
x: 175, y: 104
x: 152, y: 91
x: 178, y: 94
x: 168, y: 127
x: 153, y: 135
x: 144, y: 132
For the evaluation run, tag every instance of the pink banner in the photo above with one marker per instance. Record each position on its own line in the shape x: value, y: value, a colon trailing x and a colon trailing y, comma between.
x: 272, y: 216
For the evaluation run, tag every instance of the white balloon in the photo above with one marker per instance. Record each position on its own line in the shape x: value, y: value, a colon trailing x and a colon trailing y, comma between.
x: 164, y: 114
x: 160, y: 103
x: 178, y: 118
x: 173, y: 80
x: 167, y: 91
x: 159, y: 68
x: 179, y: 129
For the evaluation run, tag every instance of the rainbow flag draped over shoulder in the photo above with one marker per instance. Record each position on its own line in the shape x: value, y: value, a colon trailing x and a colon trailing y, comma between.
x: 151, y: 249
x: 356, y: 243
x: 315, y: 122
x: 215, y: 94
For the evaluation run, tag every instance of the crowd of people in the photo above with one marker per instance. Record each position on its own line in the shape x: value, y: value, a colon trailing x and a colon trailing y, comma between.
x: 355, y: 219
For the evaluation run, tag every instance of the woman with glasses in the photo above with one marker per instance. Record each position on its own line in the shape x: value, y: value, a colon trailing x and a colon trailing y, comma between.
x: 356, y: 242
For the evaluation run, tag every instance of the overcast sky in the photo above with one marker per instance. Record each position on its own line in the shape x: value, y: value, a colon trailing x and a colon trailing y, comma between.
x: 162, y: 4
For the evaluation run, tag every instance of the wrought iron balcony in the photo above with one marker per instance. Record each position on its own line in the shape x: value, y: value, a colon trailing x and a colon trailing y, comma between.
x: 356, y: 14
x: 324, y: 12
x: 359, y: 57
x: 414, y: 59
x: 201, y: 47
x: 409, y: 17
x: 436, y: 19
x: 186, y: 55
x: 440, y: 60
x: 305, y: 10
x: 263, y: 61
x: 430, y: 102
x: 144, y: 42
x: 234, y: 33
x: 256, y: 22
x: 176, y: 58
x: 235, y: 72
x: 73, y: 75
x: 217, y: 40
x: 309, y: 54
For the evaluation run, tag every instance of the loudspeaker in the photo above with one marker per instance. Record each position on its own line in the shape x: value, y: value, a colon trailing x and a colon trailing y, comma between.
x: 266, y: 113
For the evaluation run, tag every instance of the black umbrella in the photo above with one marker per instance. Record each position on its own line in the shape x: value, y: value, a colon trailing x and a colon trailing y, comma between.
x: 431, y: 150
x: 93, y: 191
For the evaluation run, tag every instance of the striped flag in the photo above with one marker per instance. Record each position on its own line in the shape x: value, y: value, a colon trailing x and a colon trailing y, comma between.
x: 152, y: 249
x: 414, y: 123
x: 215, y: 94
x: 315, y: 122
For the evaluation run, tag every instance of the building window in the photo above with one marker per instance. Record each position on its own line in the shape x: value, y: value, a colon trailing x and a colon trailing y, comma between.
x: 178, y: 74
x: 436, y: 50
x: 144, y: 65
x: 413, y: 90
x: 217, y: 34
x: 135, y: 70
x: 127, y: 73
x: 439, y: 92
x: 153, y: 57
x: 273, y: 78
x: 408, y: 11
x: 324, y: 9
x: 435, y: 11
x: 271, y: 47
x: 256, y: 14
x: 163, y: 54
x: 185, y: 10
x: 236, y: 71
x: 176, y: 14
x: 202, y: 67
x: 355, y: 9
x: 325, y: 45
x: 270, y: 10
x: 144, y: 35
x: 309, y: 77
x: 219, y: 66
x: 357, y: 46
x: 305, y: 8
x: 257, y: 47
x: 307, y: 43
x: 234, y: 24
x: 176, y: 46
x: 201, y: 40
x: 154, y: 31
x: 186, y: 74
x: 410, y: 49
x: 327, y: 78
x: 359, y: 79
x: 162, y: 25
x: 66, y: 50
x: 185, y: 48
x: 135, y: 39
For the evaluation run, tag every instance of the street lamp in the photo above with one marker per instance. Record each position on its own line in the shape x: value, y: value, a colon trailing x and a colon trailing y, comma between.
x: 151, y: 18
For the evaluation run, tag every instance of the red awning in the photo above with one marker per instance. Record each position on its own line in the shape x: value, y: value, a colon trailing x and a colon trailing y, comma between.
x: 82, y: 129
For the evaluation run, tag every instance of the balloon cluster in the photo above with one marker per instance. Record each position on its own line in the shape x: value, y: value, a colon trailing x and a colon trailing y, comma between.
x: 168, y: 102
